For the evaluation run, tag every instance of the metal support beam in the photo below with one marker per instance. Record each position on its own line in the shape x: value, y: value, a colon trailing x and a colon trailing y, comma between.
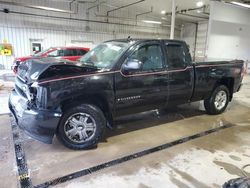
x: 96, y: 6
x: 73, y: 19
x: 144, y: 13
x: 186, y: 10
x: 124, y: 6
x: 173, y: 20
x: 148, y: 12
x: 194, y: 16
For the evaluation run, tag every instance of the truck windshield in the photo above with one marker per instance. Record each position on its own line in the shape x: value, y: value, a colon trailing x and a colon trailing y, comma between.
x: 105, y: 55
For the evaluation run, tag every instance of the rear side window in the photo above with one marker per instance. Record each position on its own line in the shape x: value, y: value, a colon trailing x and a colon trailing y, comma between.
x: 176, y: 56
x: 67, y: 52
x: 80, y: 52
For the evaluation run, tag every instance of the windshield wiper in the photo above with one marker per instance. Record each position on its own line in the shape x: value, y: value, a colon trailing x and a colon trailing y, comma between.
x: 89, y: 64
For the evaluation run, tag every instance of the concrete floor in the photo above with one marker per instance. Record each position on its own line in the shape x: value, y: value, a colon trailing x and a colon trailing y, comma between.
x: 208, y: 161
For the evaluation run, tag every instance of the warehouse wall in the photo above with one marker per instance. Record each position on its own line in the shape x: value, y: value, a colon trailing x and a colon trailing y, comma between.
x: 229, y: 32
x: 19, y: 30
x: 188, y: 34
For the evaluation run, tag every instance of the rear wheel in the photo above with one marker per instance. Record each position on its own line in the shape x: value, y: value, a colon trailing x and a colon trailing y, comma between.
x: 218, y: 101
x: 81, y: 127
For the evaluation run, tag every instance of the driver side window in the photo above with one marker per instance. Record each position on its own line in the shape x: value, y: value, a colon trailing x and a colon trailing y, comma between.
x: 150, y: 56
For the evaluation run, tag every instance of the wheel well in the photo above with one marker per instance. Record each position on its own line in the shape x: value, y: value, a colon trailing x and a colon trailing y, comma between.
x: 229, y: 83
x: 95, y: 100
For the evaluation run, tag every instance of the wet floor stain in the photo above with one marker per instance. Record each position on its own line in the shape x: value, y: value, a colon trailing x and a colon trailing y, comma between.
x: 230, y: 168
x: 141, y: 185
x: 189, y: 178
x: 235, y: 158
x: 178, y: 183
x: 246, y: 155
x: 216, y: 185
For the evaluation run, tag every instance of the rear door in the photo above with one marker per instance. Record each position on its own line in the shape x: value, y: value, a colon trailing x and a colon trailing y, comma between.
x: 180, y: 71
x: 147, y: 88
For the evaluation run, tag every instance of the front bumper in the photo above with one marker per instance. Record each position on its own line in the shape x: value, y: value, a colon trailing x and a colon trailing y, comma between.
x: 39, y: 124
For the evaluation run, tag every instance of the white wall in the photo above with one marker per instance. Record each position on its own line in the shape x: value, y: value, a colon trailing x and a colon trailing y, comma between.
x: 188, y: 35
x: 201, y: 41
x: 229, y: 32
x: 19, y: 29
x: 196, y: 39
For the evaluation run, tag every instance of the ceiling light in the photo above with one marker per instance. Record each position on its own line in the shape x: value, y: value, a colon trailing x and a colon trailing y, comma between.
x: 163, y: 18
x: 36, y: 7
x: 199, y: 4
x: 241, y: 4
x: 51, y: 9
x: 151, y: 21
x: 163, y: 12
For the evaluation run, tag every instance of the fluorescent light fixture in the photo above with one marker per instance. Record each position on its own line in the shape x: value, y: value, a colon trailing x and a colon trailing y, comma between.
x: 199, y: 4
x: 163, y: 18
x: 163, y: 12
x: 36, y: 7
x: 241, y: 4
x: 151, y: 21
x: 51, y: 9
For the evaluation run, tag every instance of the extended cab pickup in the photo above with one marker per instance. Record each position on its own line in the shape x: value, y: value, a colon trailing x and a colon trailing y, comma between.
x: 78, y: 101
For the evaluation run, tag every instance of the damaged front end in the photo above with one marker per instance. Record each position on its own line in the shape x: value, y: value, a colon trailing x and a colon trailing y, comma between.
x: 28, y: 104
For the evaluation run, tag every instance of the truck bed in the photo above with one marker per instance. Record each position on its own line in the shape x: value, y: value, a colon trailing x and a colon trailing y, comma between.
x: 207, y: 74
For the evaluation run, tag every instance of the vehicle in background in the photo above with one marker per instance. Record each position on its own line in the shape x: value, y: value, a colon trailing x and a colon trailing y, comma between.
x: 69, y: 53
x: 78, y: 101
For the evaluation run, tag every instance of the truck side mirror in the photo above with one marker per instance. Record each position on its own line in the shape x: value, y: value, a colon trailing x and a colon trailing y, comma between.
x: 131, y: 66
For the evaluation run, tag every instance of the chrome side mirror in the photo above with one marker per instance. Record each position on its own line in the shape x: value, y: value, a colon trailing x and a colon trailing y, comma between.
x: 131, y: 66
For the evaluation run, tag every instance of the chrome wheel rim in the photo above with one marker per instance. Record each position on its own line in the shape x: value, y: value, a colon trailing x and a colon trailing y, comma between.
x: 220, y: 100
x: 80, y: 127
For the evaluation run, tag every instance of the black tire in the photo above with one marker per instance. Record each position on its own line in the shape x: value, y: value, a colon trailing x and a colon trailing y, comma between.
x: 95, y: 113
x: 209, y: 103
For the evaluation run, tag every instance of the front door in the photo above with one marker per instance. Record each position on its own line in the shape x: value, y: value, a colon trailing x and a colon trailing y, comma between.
x: 146, y: 89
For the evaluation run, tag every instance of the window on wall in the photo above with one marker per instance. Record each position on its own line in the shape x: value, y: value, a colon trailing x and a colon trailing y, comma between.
x: 150, y: 56
x: 176, y: 56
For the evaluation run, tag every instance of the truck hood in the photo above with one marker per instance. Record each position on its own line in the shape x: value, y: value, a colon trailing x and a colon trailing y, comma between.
x: 45, y: 68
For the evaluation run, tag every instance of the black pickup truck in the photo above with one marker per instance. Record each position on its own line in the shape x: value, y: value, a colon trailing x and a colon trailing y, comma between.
x: 78, y: 101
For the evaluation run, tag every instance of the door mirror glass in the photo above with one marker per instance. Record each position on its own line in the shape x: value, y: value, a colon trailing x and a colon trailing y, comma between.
x: 131, y: 66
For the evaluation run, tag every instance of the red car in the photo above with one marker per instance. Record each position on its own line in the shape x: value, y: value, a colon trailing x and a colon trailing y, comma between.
x: 69, y: 53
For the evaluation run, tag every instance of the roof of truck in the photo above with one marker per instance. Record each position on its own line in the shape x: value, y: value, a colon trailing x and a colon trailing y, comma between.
x: 145, y: 40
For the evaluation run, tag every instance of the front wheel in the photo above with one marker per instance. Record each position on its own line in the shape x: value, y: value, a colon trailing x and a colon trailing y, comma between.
x: 218, y: 101
x: 81, y: 127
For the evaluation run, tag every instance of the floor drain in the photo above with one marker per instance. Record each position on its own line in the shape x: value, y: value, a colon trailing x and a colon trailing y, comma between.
x: 114, y: 162
x: 23, y: 171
